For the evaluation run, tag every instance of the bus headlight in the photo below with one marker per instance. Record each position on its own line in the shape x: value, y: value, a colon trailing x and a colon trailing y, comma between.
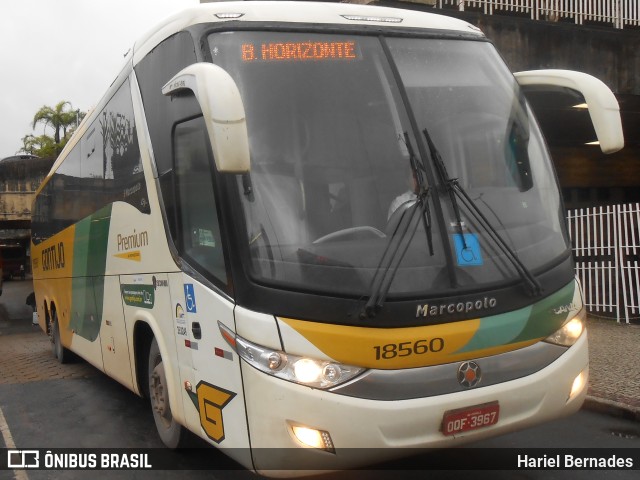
x: 305, y: 371
x: 570, y: 331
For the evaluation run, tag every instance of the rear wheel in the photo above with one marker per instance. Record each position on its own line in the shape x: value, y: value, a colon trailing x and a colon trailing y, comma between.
x: 172, y: 434
x: 59, y: 351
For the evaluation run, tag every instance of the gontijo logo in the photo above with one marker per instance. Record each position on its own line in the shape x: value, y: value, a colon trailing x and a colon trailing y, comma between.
x: 53, y: 257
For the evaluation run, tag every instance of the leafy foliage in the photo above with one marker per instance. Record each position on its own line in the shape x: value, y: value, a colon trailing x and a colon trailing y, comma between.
x: 62, y: 119
x: 42, y: 146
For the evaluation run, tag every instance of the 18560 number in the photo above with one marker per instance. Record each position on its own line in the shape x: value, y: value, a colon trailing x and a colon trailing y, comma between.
x: 404, y: 349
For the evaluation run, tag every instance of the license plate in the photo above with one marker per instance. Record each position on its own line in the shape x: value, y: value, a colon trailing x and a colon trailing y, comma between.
x: 470, y: 418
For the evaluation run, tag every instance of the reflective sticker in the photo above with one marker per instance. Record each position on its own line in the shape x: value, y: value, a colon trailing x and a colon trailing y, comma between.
x: 211, y: 401
x: 223, y: 353
x: 469, y: 254
x: 190, y: 298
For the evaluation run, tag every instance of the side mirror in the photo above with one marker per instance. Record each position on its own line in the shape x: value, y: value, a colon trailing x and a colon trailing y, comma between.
x: 602, y: 104
x: 223, y: 111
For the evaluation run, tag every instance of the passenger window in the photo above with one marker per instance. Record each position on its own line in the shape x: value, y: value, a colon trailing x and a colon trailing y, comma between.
x: 198, y: 237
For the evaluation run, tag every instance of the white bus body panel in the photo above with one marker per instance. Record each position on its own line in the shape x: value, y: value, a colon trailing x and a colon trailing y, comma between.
x: 209, y: 365
x: 298, y: 12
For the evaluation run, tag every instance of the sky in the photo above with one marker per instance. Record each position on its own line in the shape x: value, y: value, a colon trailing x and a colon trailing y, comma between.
x: 54, y: 50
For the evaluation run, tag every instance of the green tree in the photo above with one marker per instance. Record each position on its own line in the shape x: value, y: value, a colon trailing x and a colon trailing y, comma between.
x: 60, y: 118
x: 41, y: 146
x: 63, y: 119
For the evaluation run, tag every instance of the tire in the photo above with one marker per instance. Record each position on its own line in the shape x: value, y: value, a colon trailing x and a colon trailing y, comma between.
x: 59, y: 351
x: 172, y: 434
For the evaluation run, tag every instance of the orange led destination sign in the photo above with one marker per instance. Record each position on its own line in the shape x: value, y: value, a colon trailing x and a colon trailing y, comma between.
x: 299, y: 51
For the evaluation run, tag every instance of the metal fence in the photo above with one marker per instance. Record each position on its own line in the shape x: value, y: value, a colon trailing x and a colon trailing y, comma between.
x: 606, y: 246
x: 618, y: 13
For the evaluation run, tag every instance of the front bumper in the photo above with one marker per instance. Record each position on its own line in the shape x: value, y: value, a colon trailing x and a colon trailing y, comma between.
x: 370, y: 431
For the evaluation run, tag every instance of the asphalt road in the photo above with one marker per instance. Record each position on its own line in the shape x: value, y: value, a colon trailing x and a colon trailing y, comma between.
x: 46, y: 405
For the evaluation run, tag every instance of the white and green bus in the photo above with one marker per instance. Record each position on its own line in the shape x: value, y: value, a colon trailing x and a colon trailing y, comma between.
x: 321, y: 228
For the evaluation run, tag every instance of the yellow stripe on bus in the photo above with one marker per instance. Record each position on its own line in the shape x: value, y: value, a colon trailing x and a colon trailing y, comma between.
x: 52, y: 263
x: 135, y: 255
x: 396, y: 348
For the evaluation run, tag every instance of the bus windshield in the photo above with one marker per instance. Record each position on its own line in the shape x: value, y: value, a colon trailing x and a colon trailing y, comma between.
x: 333, y: 123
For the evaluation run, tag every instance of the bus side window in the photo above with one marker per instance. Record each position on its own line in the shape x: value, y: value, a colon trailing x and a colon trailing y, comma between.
x: 198, y: 236
x: 153, y: 71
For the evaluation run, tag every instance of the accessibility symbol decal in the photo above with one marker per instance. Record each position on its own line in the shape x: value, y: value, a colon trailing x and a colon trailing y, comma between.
x: 469, y: 255
x: 190, y: 298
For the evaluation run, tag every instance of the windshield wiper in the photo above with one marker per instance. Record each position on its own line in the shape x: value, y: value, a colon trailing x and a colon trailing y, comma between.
x: 449, y: 183
x: 456, y: 190
x: 399, y: 241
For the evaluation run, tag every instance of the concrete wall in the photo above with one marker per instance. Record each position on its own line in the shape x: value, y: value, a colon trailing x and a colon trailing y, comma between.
x: 587, y: 176
x: 612, y: 55
x: 20, y: 176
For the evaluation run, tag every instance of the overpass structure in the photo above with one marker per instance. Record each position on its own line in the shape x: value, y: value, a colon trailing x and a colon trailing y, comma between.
x: 599, y: 37
x: 616, y: 13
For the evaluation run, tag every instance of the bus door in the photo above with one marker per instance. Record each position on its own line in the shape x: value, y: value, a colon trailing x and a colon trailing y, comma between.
x: 199, y: 301
x: 214, y: 389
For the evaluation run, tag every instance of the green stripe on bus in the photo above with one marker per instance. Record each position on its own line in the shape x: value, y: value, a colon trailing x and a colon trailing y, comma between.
x: 89, y: 263
x: 544, y: 321
x: 528, y: 323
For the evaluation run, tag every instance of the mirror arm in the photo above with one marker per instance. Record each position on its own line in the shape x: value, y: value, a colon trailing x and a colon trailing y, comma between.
x: 223, y: 112
x: 602, y: 103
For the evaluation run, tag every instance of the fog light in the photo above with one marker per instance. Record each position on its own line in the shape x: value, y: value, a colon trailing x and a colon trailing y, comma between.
x: 310, y: 437
x: 578, y: 384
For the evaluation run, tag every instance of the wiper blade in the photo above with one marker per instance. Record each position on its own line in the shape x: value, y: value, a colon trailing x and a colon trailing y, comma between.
x: 390, y: 260
x: 399, y: 241
x: 449, y: 183
x: 456, y: 190
x: 533, y: 285
x: 418, y: 172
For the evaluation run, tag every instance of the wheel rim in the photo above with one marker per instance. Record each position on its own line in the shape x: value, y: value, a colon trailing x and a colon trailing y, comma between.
x: 159, y: 397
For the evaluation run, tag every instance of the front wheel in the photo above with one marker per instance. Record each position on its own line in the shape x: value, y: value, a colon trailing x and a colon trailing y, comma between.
x: 172, y: 434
